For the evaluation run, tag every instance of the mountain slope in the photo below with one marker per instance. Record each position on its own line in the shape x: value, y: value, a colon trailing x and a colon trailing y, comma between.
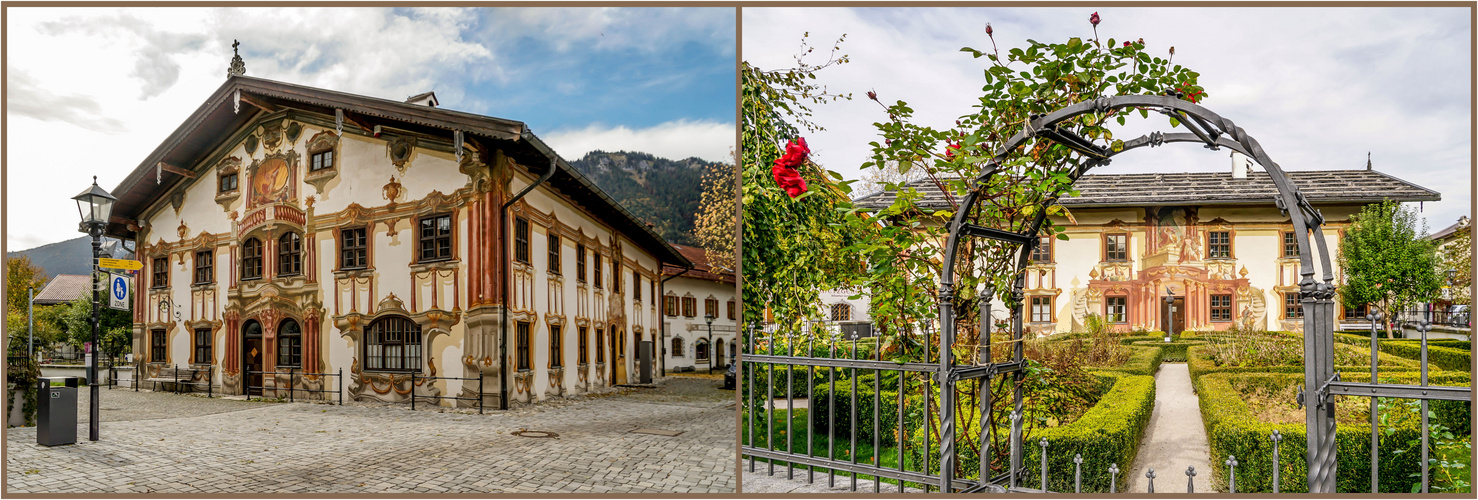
x: 662, y: 192
x: 71, y: 256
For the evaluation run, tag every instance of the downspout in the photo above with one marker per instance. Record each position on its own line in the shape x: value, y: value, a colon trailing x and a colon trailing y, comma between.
x: 662, y: 315
x: 503, y: 265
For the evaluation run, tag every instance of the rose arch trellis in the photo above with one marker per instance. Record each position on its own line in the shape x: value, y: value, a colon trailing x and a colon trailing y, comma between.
x: 1317, y: 297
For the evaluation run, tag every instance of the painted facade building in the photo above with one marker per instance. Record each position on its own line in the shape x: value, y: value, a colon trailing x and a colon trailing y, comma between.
x: 290, y: 234
x: 1214, y: 242
x: 690, y: 297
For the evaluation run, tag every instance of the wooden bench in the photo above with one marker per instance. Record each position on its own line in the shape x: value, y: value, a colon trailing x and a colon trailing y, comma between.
x: 174, y: 375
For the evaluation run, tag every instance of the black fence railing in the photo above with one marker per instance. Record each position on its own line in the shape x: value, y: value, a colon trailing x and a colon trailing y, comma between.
x: 292, y: 382
x: 1444, y: 317
x: 416, y: 376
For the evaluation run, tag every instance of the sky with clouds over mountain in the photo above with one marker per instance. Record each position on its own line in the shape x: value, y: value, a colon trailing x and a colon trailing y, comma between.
x: 92, y: 91
x: 1317, y: 87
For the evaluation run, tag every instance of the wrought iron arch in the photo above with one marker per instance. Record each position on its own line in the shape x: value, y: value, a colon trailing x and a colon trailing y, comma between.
x: 1206, y: 127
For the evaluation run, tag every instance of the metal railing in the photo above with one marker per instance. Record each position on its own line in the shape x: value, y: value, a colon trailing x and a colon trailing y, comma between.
x: 292, y: 390
x: 416, y: 376
x: 1435, y: 317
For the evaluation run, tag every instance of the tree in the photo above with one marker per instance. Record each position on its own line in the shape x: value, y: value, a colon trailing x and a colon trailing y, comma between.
x: 1457, y: 255
x: 115, y: 328
x: 20, y: 275
x: 1387, y: 261
x: 714, y: 227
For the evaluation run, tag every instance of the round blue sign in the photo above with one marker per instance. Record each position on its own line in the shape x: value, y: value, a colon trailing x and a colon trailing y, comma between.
x: 120, y: 288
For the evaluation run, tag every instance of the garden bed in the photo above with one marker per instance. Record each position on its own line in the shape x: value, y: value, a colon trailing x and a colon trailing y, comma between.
x: 1201, y: 361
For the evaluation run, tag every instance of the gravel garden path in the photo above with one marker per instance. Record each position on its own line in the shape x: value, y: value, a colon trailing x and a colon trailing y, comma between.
x: 1175, y: 438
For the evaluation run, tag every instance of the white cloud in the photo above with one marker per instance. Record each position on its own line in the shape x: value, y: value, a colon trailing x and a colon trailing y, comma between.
x: 1318, y: 87
x: 711, y: 141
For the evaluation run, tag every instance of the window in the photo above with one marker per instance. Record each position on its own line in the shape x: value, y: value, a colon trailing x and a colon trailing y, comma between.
x: 690, y: 307
x: 289, y: 344
x: 635, y: 286
x: 700, y: 350
x: 839, y: 312
x: 161, y: 272
x: 596, y: 275
x: 580, y: 262
x: 436, y: 238
x: 158, y: 346
x: 251, y: 259
x: 616, y: 274
x: 556, y: 347
x: 731, y: 309
x: 584, y: 345
x: 1219, y: 245
x: 710, y: 308
x: 521, y: 239
x: 322, y: 160
x: 600, y: 345
x: 1114, y: 309
x: 653, y: 291
x: 392, y: 343
x: 523, y: 345
x: 202, y: 346
x: 554, y: 254
x: 1221, y: 308
x: 290, y: 255
x: 352, y: 249
x: 1357, y: 312
x: 1043, y: 251
x: 1292, y: 308
x: 205, y: 267
x: 677, y: 347
x: 1116, y: 247
x: 1041, y: 309
x: 228, y: 182
x: 669, y: 305
x: 1290, y: 244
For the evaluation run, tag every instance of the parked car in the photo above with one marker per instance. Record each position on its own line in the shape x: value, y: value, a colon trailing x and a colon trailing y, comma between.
x: 730, y: 374
x: 1460, y: 315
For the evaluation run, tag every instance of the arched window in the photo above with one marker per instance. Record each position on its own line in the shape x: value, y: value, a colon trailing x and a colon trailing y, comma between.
x: 251, y: 259
x: 677, y: 347
x: 700, y: 350
x: 289, y: 344
x: 392, y: 343
x: 841, y: 312
x: 289, y: 255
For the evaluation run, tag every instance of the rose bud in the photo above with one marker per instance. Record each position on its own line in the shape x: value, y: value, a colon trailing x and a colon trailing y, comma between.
x: 1141, y: 41
x: 1094, y: 19
x: 1172, y: 50
x: 872, y: 95
x: 1126, y: 44
x: 988, y: 31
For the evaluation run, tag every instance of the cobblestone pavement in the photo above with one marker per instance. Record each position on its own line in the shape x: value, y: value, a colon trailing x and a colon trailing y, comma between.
x: 167, y: 443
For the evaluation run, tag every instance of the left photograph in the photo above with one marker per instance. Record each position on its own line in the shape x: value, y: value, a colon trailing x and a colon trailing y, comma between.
x: 354, y: 250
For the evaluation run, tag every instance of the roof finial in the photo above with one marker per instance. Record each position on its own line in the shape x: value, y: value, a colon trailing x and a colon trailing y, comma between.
x: 238, y: 67
x: 1368, y: 166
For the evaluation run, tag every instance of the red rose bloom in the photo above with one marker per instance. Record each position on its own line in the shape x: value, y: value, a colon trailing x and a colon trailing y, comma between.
x: 1094, y: 19
x: 949, y: 152
x: 786, y: 175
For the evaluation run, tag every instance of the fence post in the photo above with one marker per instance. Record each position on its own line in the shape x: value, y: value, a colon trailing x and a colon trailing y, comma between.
x: 413, y: 390
x: 1078, y: 473
x: 1044, y: 464
x: 1151, y: 475
x: 1232, y: 465
x: 290, y: 379
x: 1276, y: 467
x: 479, y: 393
x: 341, y: 386
x: 176, y: 379
x: 1190, y: 479
x: 210, y: 377
x: 1114, y: 477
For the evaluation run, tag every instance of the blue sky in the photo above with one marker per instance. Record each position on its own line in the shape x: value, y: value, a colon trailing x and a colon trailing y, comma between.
x: 659, y: 80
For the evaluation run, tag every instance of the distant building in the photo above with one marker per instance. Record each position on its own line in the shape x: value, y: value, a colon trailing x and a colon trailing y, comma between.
x: 1216, y: 241
x: 689, y: 298
x: 63, y: 288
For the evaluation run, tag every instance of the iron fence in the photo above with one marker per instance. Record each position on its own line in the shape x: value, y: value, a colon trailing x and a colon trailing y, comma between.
x: 416, y: 376
x: 292, y: 390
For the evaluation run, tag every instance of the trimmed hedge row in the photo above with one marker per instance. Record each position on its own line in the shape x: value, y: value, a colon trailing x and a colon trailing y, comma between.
x: 1231, y: 429
x: 1363, y: 338
x: 1446, y: 358
x: 1142, y: 361
x: 842, y: 425
x: 1199, y: 363
x: 1109, y: 433
x: 1170, y: 352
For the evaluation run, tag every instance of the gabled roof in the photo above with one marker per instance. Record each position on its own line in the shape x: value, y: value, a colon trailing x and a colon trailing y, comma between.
x: 63, y: 288
x: 1204, y: 188
x: 1449, y: 230
x: 702, y: 270
x: 210, y: 126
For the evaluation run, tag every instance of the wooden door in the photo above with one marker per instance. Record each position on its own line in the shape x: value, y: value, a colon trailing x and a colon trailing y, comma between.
x: 251, y: 351
x: 1174, y: 313
x: 618, y: 350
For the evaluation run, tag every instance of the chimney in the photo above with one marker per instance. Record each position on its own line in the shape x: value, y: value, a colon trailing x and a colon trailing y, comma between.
x: 1368, y: 166
x: 1240, y: 165
x: 427, y: 99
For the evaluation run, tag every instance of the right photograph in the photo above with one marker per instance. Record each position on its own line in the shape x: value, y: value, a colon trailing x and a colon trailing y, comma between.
x: 1106, y: 250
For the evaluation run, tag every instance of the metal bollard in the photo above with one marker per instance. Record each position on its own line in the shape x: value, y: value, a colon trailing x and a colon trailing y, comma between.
x: 1276, y: 438
x: 341, y: 386
x: 291, y: 379
x: 1232, y: 466
x: 1043, y: 443
x: 1114, y: 477
x: 1190, y: 479
x: 413, y: 390
x: 1151, y: 474
x: 1078, y: 473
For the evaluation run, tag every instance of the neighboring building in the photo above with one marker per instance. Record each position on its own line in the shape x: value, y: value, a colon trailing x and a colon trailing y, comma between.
x: 1214, y: 240
x: 62, y: 289
x: 286, y: 228
x: 689, y: 299
x: 1448, y: 236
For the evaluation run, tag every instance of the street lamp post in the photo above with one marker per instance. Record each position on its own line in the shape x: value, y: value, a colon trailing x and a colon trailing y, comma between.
x: 94, y: 207
x: 709, y: 319
x: 1169, y: 314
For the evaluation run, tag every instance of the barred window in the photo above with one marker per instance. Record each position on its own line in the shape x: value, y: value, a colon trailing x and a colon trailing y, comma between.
x: 289, y: 344
x: 677, y: 347
x: 251, y: 259
x: 205, y: 267
x: 1116, y: 247
x: 1292, y: 308
x: 289, y: 254
x: 392, y: 343
x: 1221, y: 308
x: 1219, y: 244
x: 352, y: 249
x: 435, y: 238
x: 839, y: 312
x: 1041, y: 309
x: 1115, y: 309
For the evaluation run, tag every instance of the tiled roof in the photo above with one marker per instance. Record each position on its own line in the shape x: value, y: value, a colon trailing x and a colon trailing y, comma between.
x: 1205, y: 188
x: 64, y: 288
x: 701, y: 269
x: 1443, y: 234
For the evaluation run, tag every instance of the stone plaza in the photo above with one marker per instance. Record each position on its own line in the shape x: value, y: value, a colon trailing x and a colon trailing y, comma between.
x: 158, y: 442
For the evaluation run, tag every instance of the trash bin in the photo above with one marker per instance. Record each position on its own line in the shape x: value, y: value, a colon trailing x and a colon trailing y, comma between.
x: 56, y: 415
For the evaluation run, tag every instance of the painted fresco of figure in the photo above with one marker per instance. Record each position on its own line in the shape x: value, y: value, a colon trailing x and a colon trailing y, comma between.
x: 271, y: 182
x: 1172, y: 235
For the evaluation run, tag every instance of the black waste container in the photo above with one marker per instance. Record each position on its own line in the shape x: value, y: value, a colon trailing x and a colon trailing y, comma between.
x: 56, y: 415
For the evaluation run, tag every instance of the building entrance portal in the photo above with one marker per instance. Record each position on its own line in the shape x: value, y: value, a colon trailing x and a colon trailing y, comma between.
x: 1172, y: 315
x: 618, y: 347
x: 251, y: 358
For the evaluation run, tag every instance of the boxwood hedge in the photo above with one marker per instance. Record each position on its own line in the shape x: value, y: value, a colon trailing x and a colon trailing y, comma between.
x: 1142, y: 361
x: 1445, y: 358
x: 1199, y: 363
x: 842, y: 424
x: 1108, y: 433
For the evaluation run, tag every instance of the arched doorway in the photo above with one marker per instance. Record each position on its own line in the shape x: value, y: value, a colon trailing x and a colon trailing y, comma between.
x: 252, y: 354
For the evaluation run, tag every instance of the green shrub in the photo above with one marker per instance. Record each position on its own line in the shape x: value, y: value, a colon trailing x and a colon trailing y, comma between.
x: 1199, y: 362
x: 1170, y: 352
x: 1445, y: 358
x: 1142, y: 361
x: 1232, y: 429
x: 1109, y: 433
x: 822, y: 405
